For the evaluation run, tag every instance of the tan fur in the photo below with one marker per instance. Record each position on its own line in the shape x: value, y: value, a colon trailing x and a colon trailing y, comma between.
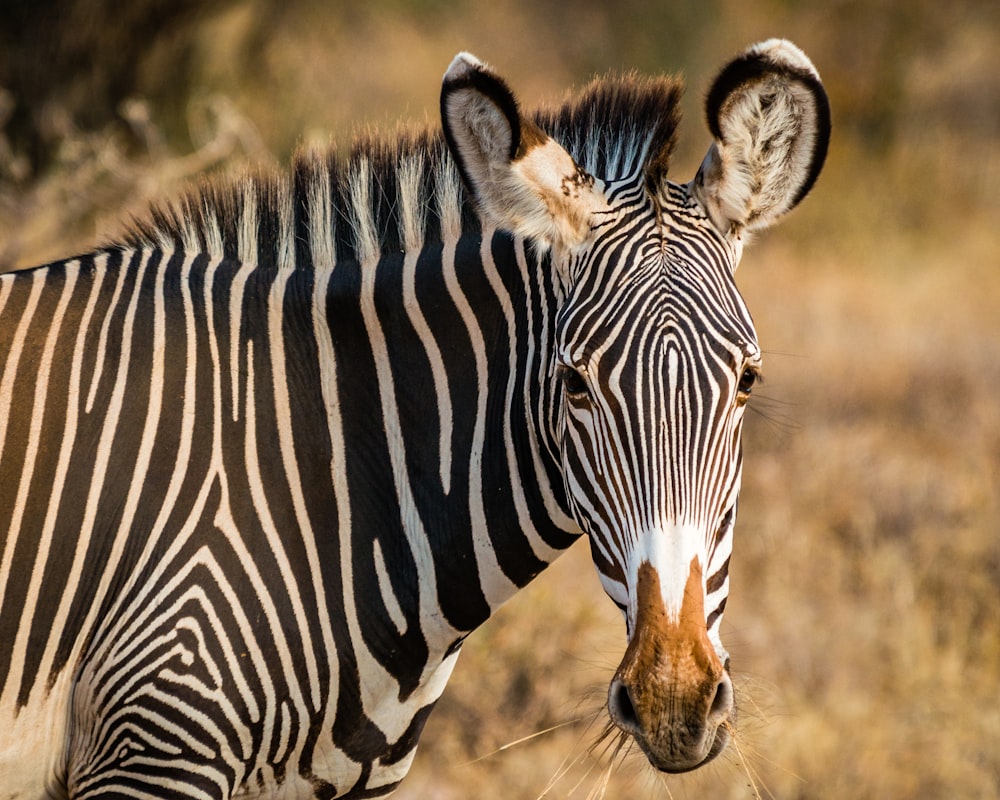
x: 672, y: 672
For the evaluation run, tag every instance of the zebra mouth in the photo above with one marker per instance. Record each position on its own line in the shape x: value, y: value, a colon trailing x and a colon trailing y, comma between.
x: 678, y: 745
x: 719, y: 744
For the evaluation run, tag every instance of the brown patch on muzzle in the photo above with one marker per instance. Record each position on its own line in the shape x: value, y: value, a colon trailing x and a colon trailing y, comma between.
x: 671, y: 691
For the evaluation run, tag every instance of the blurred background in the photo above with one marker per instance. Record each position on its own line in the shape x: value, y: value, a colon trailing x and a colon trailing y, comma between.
x: 864, y: 616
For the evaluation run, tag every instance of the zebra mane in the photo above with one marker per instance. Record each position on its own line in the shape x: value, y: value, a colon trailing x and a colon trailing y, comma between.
x: 399, y: 193
x: 619, y: 125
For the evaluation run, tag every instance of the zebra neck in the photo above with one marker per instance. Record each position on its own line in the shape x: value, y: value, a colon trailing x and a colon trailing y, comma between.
x: 440, y: 359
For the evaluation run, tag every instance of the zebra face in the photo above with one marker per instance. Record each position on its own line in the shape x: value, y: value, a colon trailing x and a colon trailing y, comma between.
x: 654, y: 354
x: 657, y: 357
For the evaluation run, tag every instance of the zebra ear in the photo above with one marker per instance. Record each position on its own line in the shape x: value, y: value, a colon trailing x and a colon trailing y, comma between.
x: 770, y: 118
x: 520, y: 179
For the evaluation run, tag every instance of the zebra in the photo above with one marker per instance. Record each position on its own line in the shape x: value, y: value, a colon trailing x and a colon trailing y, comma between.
x: 268, y: 459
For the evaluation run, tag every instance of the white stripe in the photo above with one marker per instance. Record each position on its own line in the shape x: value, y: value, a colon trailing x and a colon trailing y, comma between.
x: 497, y: 587
x: 286, y: 445
x: 435, y: 629
x: 387, y: 592
x: 446, y: 425
x: 338, y: 764
x: 260, y: 505
x: 17, y: 346
x: 102, y: 344
x: 237, y: 290
x: 246, y: 250
x: 102, y: 457
x: 27, y: 471
x: 6, y: 287
x: 284, y: 733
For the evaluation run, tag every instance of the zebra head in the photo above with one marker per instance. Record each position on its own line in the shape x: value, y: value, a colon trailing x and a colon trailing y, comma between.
x: 654, y: 354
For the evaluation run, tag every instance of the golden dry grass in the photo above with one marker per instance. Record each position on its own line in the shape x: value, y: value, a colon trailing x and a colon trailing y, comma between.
x: 863, y: 619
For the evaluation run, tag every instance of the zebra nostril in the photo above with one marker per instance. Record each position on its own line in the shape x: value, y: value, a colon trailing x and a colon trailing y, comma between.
x: 621, y: 708
x: 722, y: 703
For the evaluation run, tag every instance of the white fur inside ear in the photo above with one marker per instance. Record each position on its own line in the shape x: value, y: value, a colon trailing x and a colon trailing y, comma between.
x: 769, y: 136
x: 481, y: 134
x: 771, y: 120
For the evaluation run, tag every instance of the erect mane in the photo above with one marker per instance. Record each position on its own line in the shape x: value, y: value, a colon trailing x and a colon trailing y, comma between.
x: 394, y: 194
x: 619, y: 125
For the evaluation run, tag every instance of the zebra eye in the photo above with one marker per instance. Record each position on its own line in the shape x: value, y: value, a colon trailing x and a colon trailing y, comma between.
x: 573, y: 382
x: 747, y: 380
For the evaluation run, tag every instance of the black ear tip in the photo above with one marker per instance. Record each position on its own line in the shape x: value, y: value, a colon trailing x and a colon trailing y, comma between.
x: 774, y: 57
x: 461, y: 68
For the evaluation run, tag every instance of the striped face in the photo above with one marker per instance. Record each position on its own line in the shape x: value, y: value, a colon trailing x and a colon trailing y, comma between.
x: 657, y: 355
x: 654, y: 352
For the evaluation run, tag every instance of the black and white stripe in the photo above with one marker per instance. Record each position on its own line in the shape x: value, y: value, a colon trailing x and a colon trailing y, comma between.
x: 267, y: 461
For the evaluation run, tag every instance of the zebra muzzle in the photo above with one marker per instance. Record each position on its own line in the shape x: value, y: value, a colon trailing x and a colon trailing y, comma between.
x: 671, y: 692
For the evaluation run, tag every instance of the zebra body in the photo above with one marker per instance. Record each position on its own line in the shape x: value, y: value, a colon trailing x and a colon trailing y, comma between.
x: 255, y: 522
x: 266, y: 462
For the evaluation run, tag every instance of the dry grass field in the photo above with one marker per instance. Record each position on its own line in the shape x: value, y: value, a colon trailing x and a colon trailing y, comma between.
x: 864, y: 617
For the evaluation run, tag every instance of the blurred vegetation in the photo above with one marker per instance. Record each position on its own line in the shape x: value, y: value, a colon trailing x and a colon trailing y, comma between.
x: 128, y: 101
x: 866, y: 580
